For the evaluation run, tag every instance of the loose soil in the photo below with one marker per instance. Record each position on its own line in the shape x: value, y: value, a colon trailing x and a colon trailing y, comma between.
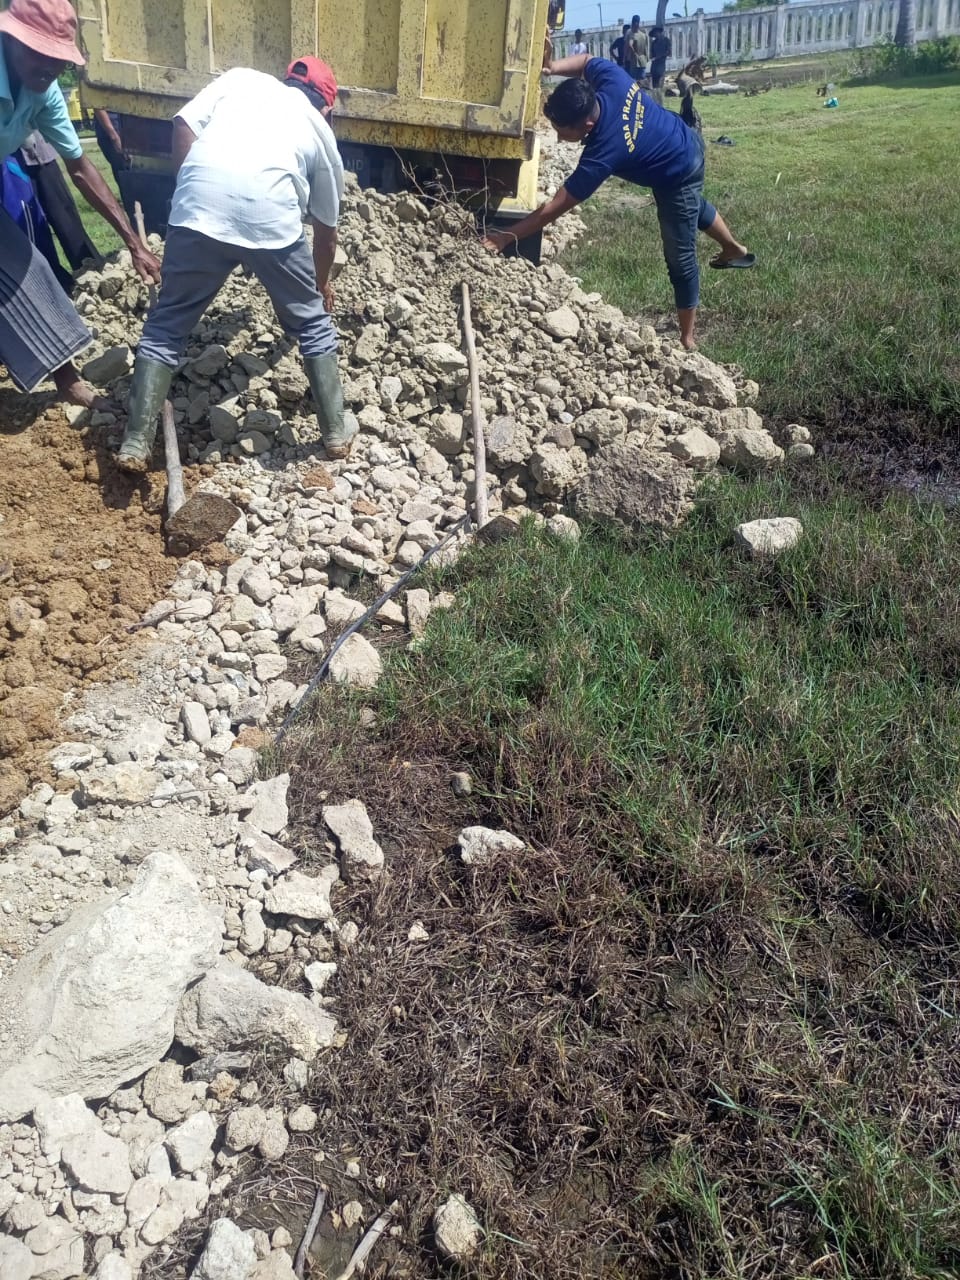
x: 81, y: 557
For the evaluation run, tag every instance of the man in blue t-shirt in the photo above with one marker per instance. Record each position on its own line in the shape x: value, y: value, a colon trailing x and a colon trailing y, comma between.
x: 625, y: 133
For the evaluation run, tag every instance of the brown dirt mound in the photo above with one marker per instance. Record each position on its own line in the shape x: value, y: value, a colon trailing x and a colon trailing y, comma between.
x: 81, y: 557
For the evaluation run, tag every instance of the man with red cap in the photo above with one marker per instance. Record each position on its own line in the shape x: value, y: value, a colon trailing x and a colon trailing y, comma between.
x: 40, y: 332
x: 255, y: 158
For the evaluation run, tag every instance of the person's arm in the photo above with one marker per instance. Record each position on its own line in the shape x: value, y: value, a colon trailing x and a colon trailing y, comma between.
x: 54, y: 123
x: 554, y: 208
x: 572, y: 67
x: 86, y: 178
x: 324, y: 249
x: 102, y: 117
x: 183, y: 139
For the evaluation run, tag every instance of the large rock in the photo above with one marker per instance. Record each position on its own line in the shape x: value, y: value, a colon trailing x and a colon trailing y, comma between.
x: 695, y: 448
x: 191, y: 1143
x: 113, y: 364
x: 58, y: 1119
x: 16, y: 1260
x: 636, y: 489
x: 556, y: 470
x: 97, y: 1162
x: 362, y: 857
x: 508, y: 443
x: 230, y: 1008
x: 58, y: 1249
x: 747, y: 450
x: 456, y: 1230
x: 229, y: 1254
x: 356, y: 663
x: 480, y: 845
x: 601, y: 426
x: 710, y: 384
x: 306, y: 897
x: 767, y: 538
x: 94, y: 1005
x: 123, y: 783
x: 562, y: 323
x: 265, y: 804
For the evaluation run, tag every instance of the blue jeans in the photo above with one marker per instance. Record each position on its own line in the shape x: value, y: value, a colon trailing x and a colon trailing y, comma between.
x: 195, y: 267
x: 682, y: 212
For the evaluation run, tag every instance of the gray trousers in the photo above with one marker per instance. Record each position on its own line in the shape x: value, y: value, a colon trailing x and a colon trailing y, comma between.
x: 194, y: 269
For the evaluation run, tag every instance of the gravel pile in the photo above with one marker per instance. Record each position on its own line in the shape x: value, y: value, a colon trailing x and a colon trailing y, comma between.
x: 150, y: 912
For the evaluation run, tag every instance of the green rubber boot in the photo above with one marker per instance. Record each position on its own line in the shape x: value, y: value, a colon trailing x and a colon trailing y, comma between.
x: 151, y: 382
x: 337, y: 428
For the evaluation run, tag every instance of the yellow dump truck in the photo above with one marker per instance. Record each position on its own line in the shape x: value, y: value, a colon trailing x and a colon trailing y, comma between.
x: 444, y: 91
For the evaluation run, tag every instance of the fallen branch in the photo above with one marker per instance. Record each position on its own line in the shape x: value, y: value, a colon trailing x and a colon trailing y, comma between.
x: 366, y: 1245
x: 481, y: 506
x: 300, y: 1260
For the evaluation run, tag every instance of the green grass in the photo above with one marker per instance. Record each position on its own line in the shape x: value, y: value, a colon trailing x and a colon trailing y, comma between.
x: 103, y: 237
x: 741, y: 781
x: 803, y: 708
x: 853, y: 312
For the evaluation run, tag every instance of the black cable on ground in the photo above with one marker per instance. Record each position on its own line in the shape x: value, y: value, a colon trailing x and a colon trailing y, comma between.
x: 462, y: 523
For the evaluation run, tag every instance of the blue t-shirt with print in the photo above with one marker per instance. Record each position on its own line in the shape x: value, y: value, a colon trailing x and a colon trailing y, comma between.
x: 635, y: 138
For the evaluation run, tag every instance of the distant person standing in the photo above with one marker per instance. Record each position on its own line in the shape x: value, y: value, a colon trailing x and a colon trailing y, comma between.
x: 106, y: 126
x: 617, y: 48
x: 636, y: 49
x: 579, y: 45
x: 661, y: 49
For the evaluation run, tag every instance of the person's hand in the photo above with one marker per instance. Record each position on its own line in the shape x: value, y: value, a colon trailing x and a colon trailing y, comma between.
x: 145, y: 263
x: 329, y: 297
x: 497, y: 241
x: 547, y: 51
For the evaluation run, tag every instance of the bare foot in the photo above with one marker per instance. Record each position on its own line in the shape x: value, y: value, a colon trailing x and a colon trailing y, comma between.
x: 688, y: 344
x: 72, y: 388
x: 730, y: 255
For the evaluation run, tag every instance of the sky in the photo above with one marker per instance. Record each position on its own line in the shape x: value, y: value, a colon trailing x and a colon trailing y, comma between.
x: 586, y: 13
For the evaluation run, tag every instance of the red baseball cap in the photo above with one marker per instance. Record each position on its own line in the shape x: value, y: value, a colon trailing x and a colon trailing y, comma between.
x: 315, y: 74
x: 45, y: 26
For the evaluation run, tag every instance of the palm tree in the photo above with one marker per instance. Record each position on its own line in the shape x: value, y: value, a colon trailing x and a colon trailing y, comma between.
x: 906, y: 35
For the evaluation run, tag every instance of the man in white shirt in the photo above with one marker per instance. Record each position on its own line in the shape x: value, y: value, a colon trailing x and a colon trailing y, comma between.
x: 579, y: 44
x: 255, y: 158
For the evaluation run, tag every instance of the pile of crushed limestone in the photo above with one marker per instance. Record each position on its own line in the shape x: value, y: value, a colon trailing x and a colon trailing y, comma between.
x: 153, y: 923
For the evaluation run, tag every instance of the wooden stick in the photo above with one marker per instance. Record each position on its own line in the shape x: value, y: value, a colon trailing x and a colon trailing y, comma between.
x: 300, y: 1261
x: 366, y: 1245
x: 476, y: 414
x: 171, y: 447
x: 138, y: 219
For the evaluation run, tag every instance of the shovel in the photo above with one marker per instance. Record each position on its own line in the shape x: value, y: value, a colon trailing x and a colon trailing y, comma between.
x: 194, y: 522
x: 206, y: 517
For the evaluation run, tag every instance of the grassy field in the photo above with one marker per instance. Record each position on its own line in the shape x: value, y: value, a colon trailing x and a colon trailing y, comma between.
x: 853, y: 314
x: 704, y: 1025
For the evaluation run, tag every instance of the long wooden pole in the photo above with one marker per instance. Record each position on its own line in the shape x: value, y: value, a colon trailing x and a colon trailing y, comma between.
x: 481, y: 506
x: 171, y: 449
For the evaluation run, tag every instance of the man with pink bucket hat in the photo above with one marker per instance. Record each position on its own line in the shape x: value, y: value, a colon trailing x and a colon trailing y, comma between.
x: 40, y: 332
